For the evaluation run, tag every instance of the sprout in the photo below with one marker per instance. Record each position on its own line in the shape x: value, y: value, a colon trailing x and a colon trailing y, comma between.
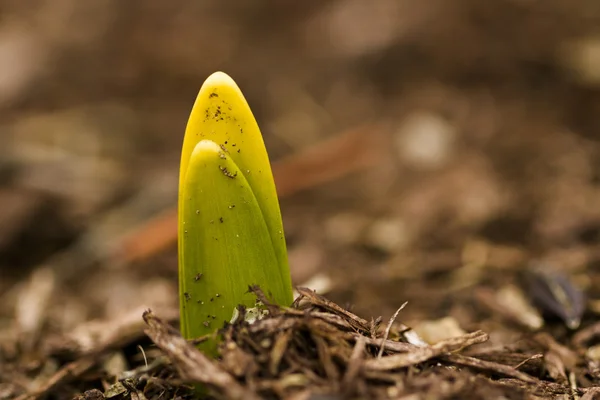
x: 230, y: 228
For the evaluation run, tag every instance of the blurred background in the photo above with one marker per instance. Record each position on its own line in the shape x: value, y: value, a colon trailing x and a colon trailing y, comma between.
x: 424, y: 151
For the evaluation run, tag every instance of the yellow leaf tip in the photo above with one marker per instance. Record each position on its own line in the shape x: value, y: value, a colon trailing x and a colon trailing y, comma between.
x: 204, y: 147
x: 219, y: 76
x: 219, y: 80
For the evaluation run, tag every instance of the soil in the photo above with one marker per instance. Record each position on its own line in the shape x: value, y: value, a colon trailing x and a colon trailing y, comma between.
x: 439, y: 158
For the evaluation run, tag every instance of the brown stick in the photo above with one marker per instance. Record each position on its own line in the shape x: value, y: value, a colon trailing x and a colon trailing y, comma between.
x: 68, y: 373
x: 191, y: 363
x: 421, y: 354
x: 354, y: 365
x: 501, y: 369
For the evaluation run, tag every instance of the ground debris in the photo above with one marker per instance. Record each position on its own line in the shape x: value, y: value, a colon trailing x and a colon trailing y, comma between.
x: 317, y: 348
x: 191, y: 363
x: 555, y: 293
x: 313, y: 349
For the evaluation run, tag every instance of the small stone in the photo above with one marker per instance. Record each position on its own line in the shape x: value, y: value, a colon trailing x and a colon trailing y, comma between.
x: 424, y: 140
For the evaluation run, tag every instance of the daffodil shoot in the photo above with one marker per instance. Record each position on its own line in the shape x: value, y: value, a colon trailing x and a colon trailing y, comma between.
x: 230, y: 229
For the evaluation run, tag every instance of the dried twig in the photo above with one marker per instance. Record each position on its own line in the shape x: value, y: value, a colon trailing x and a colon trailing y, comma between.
x: 389, y: 327
x: 421, y: 354
x: 260, y: 296
x: 390, y: 345
x: 95, y: 337
x: 279, y: 348
x: 501, y: 369
x: 354, y: 364
x: 66, y: 374
x: 591, y: 394
x: 320, y: 301
x: 191, y: 363
x: 583, y: 336
x: 528, y: 359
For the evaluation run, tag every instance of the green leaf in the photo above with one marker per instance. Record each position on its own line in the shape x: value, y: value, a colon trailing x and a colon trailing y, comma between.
x: 230, y: 229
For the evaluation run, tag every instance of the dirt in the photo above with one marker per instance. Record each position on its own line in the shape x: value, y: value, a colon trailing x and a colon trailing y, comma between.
x: 440, y: 154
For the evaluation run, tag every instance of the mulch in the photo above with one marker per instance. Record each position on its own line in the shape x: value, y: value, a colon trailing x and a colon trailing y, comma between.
x: 314, y: 349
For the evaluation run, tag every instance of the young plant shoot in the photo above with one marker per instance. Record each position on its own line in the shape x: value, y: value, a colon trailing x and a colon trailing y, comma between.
x: 230, y: 228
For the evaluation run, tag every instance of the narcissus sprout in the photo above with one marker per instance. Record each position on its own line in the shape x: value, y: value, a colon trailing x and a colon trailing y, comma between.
x: 230, y: 228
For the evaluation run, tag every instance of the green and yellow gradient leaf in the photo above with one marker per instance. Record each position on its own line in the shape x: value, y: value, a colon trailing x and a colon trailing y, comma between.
x: 230, y: 228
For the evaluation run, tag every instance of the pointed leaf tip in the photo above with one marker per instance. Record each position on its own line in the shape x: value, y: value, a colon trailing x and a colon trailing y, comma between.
x: 205, y: 146
x: 217, y: 79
